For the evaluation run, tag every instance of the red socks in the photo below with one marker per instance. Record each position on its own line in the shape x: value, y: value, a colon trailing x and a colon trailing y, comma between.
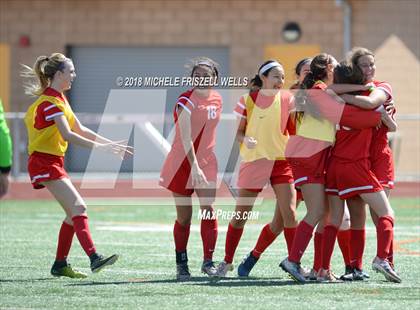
x: 81, y: 228
x: 384, y: 235
x: 357, y: 247
x: 330, y: 235
x: 267, y: 237
x: 303, y: 235
x: 317, y: 251
x: 181, y: 235
x: 289, y: 235
x: 209, y: 237
x: 65, y: 238
x: 343, y: 238
x: 391, y: 252
x: 264, y: 240
x: 233, y: 237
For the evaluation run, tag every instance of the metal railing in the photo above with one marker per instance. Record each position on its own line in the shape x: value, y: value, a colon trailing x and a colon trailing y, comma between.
x: 15, y: 120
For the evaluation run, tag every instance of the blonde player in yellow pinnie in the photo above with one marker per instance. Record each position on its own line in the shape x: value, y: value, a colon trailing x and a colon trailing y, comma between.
x: 51, y: 125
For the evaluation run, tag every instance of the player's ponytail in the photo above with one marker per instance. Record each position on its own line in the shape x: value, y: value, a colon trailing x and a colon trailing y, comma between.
x: 42, y: 73
x: 319, y: 71
x: 38, y: 66
x: 256, y: 83
x: 319, y: 66
x: 308, y: 81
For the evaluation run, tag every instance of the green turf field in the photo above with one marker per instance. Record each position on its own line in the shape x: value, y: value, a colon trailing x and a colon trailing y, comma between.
x: 144, y: 275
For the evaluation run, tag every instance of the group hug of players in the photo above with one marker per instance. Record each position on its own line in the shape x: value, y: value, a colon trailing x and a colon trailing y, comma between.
x: 323, y: 142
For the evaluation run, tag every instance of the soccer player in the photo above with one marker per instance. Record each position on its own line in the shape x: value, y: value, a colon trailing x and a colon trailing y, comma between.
x: 316, y: 116
x: 191, y: 165
x: 263, y: 117
x: 51, y: 125
x: 301, y: 70
x: 265, y: 238
x: 351, y: 153
x: 5, y: 154
x: 382, y: 164
x: 380, y: 153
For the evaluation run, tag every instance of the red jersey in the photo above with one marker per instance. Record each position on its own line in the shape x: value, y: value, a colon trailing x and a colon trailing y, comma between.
x: 352, y: 144
x: 379, y: 136
x: 354, y: 125
x: 343, y: 114
x: 340, y: 114
x: 205, y: 114
x: 356, y: 143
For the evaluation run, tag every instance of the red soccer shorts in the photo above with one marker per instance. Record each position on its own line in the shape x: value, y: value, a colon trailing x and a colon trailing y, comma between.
x: 45, y: 167
x: 176, y: 175
x: 348, y: 179
x: 382, y: 165
x: 254, y: 175
x: 311, y: 169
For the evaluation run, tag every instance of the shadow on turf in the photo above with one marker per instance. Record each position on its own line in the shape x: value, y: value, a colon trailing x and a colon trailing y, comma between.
x: 201, y: 281
x: 137, y: 280
x: 249, y: 281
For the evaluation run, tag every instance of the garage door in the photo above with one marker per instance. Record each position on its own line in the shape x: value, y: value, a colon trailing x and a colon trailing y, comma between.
x: 97, y: 69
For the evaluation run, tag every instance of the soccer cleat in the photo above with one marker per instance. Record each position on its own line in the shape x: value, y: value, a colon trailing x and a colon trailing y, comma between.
x: 347, y: 277
x: 182, y: 272
x: 355, y: 275
x: 348, y: 274
x: 208, y: 268
x: 246, y: 265
x: 98, y: 261
x: 358, y: 275
x: 325, y: 275
x: 223, y: 268
x: 66, y: 271
x: 304, y: 271
x: 382, y: 266
x: 312, y: 275
x: 293, y: 269
x: 366, y: 275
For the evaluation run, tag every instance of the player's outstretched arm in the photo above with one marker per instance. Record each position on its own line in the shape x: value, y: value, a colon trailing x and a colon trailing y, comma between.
x: 88, y: 133
x: 376, y: 98
x: 347, y: 88
x: 73, y: 137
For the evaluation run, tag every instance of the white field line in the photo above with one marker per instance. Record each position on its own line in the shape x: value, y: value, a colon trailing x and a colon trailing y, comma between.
x: 196, y: 228
x: 160, y: 201
x: 155, y: 227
